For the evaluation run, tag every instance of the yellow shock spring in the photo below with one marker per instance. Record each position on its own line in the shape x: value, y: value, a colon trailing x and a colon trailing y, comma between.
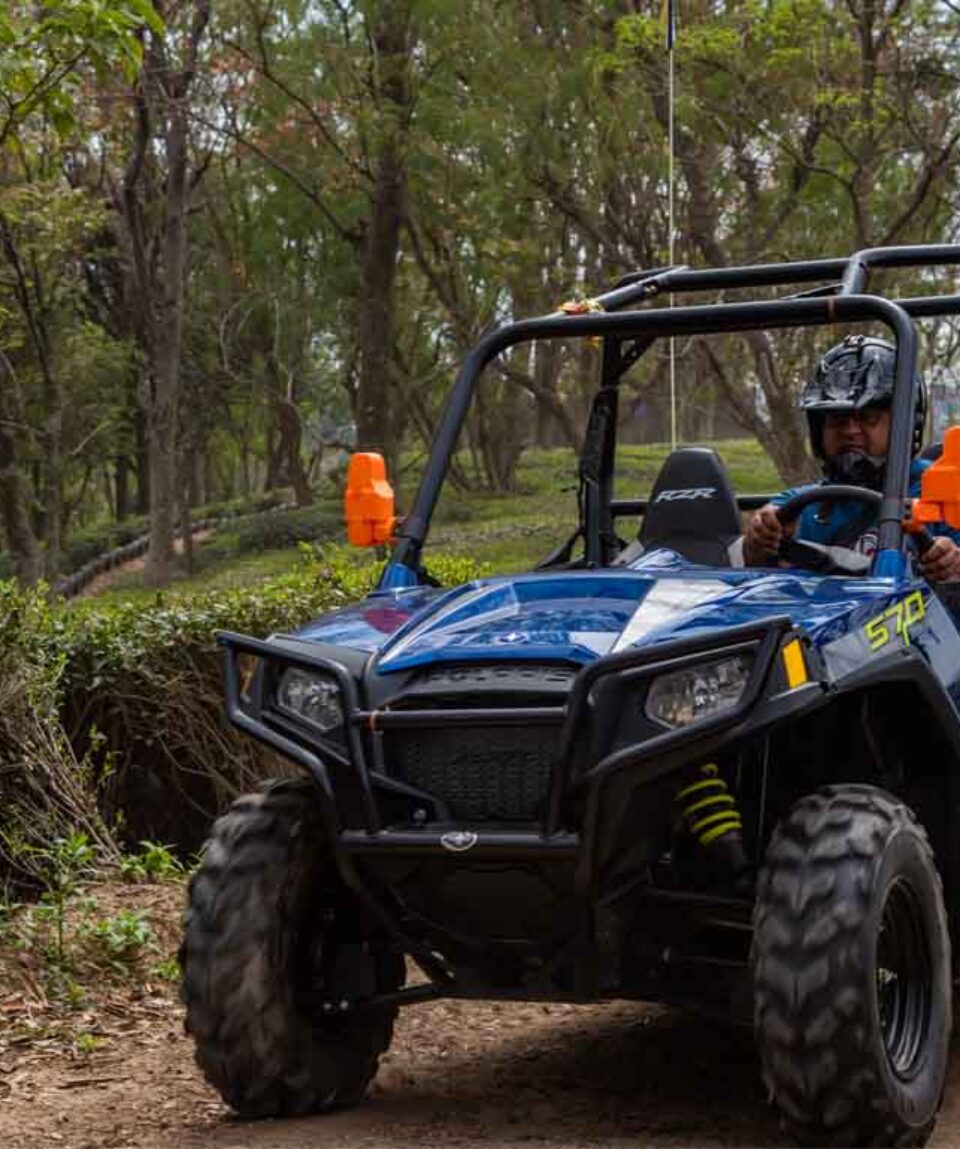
x: 709, y: 808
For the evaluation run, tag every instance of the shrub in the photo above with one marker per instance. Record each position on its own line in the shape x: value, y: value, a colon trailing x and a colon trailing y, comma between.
x: 46, y: 794
x: 281, y: 529
x: 85, y: 545
x: 131, y: 698
x: 118, y: 941
x: 153, y: 862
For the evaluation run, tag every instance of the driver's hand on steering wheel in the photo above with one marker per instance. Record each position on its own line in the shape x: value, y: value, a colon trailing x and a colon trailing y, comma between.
x: 763, y: 535
x: 940, y: 563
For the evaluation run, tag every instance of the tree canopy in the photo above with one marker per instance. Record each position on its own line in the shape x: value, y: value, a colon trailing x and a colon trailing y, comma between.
x: 236, y: 235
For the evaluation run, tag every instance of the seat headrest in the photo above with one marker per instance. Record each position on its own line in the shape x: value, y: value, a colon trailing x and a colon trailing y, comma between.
x: 692, y: 508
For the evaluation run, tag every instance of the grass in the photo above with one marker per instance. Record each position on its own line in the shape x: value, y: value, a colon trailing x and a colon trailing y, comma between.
x: 511, y: 532
x: 225, y: 572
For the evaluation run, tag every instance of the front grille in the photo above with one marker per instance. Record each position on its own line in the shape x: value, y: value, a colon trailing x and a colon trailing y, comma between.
x: 481, y: 774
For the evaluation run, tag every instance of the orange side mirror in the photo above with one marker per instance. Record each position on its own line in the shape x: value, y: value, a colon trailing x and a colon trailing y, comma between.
x: 939, y: 500
x: 368, y: 503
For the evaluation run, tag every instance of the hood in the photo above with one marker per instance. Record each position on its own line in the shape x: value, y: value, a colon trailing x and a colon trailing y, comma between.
x: 579, y: 616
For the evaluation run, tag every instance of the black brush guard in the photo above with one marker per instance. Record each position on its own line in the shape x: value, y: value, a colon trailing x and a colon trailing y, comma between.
x: 552, y: 840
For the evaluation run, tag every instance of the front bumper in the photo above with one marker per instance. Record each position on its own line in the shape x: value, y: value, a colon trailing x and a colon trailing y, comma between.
x: 571, y: 855
x: 357, y: 766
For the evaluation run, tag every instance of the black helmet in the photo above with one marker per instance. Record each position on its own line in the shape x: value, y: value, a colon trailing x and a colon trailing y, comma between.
x: 857, y: 373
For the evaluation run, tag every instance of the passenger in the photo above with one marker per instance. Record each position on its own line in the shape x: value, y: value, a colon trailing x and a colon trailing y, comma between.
x: 848, y: 414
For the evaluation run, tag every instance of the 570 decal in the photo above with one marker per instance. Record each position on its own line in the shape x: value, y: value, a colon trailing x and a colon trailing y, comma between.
x: 896, y: 621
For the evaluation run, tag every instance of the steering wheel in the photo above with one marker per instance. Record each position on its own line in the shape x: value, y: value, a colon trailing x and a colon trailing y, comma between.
x: 822, y: 558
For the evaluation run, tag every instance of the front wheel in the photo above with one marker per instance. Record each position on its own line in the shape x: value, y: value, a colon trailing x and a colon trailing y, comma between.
x: 275, y: 951
x: 851, y: 962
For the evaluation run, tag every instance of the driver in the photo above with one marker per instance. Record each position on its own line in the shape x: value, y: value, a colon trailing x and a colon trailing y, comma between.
x: 848, y: 414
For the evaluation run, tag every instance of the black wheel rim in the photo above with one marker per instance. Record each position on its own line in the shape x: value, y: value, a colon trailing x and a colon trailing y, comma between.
x: 903, y: 973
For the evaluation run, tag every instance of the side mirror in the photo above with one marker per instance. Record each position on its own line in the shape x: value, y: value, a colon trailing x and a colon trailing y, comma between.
x: 939, y: 500
x: 368, y: 502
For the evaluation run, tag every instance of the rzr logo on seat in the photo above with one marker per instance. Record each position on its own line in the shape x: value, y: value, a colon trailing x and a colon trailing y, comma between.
x: 686, y: 493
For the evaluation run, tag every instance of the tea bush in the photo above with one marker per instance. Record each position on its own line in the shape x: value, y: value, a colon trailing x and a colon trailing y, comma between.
x: 123, y: 704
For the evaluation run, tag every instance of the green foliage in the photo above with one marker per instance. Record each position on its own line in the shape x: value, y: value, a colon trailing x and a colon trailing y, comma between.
x: 152, y: 863
x: 44, y: 46
x: 251, y: 515
x: 167, y: 970
x: 85, y: 545
x: 278, y: 529
x: 119, y: 940
x: 86, y: 1042
x: 45, y: 790
x: 59, y: 867
x: 74, y: 993
x: 135, y: 690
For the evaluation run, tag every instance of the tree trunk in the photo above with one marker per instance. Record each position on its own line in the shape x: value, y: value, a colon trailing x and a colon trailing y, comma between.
x: 186, y: 525
x: 162, y: 436
x: 15, y: 508
x: 375, y: 409
x: 53, y: 508
x: 142, y: 459
x: 121, y: 487
x: 30, y: 294
x: 288, y: 425
x: 155, y: 225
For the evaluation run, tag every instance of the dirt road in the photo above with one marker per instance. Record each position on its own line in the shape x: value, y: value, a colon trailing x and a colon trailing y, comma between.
x: 458, y: 1074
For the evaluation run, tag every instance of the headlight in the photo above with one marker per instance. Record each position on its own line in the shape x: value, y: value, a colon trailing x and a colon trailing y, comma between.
x: 704, y: 691
x: 312, y: 697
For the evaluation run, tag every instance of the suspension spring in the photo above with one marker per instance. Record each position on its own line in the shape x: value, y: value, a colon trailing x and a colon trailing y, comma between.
x: 709, y: 809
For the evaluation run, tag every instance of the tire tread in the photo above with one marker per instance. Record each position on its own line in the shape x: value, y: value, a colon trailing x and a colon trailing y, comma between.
x: 252, y: 1042
x: 812, y: 910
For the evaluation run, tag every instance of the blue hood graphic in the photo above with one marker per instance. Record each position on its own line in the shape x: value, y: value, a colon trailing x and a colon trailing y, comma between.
x: 583, y: 615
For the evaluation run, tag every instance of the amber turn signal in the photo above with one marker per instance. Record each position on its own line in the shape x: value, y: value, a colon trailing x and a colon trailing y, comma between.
x: 368, y: 502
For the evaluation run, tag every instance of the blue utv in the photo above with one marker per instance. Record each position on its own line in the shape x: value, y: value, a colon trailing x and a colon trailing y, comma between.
x: 638, y: 771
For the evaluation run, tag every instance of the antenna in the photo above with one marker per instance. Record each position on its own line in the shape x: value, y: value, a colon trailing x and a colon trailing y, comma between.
x: 671, y: 194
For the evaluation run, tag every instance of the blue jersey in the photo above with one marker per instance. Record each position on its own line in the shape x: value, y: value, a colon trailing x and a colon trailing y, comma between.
x: 845, y: 523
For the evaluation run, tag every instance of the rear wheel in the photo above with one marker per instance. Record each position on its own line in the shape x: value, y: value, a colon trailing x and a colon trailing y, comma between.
x: 275, y: 952
x: 851, y: 960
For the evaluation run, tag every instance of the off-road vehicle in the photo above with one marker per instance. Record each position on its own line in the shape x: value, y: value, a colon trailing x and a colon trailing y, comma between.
x: 637, y: 771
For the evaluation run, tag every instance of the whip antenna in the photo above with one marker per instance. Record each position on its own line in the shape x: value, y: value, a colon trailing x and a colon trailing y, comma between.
x: 671, y: 192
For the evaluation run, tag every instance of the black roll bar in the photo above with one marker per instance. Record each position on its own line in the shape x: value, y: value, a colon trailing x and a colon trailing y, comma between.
x: 861, y: 263
x: 851, y: 273
x: 699, y: 320
x: 640, y: 285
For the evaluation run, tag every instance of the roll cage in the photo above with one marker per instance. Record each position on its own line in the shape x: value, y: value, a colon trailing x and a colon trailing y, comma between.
x: 627, y: 333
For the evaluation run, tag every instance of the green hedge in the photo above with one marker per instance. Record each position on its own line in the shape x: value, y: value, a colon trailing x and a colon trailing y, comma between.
x: 84, y: 546
x: 88, y: 543
x: 130, y: 699
x: 278, y: 530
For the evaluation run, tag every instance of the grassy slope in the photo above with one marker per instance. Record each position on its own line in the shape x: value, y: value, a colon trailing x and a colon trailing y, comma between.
x: 511, y: 532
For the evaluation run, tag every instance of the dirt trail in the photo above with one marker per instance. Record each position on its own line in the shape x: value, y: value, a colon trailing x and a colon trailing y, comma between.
x: 459, y: 1074
x: 108, y: 578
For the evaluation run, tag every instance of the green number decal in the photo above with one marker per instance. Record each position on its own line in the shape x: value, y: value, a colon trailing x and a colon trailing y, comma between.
x: 904, y: 613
